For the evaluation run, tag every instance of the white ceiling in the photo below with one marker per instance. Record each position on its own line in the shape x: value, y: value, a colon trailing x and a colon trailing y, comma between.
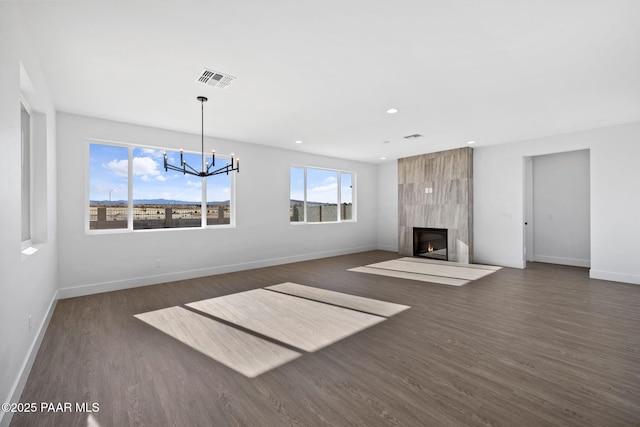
x: 326, y: 71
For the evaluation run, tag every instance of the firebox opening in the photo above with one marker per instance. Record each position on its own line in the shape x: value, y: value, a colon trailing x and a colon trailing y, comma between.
x: 430, y: 243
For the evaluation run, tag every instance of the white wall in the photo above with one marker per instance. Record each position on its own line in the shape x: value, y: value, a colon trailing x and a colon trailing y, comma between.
x: 498, y: 199
x: 263, y: 234
x: 27, y: 283
x: 561, y: 208
x: 388, y: 206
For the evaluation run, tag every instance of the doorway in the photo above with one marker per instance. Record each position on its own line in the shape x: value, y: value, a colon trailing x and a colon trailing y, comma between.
x: 557, y: 217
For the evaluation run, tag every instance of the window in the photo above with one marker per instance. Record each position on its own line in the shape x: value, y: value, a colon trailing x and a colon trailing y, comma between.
x: 297, y: 195
x: 25, y: 132
x: 108, y: 187
x: 218, y: 199
x: 320, y: 195
x: 129, y: 189
x: 346, y: 196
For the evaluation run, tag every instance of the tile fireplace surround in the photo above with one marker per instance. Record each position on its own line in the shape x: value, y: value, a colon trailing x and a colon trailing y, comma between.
x: 435, y: 190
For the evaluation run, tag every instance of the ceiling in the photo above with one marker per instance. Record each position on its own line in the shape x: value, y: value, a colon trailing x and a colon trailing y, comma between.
x: 325, y: 72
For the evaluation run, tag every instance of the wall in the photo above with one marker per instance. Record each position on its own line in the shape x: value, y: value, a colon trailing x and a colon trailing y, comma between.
x: 388, y: 206
x: 499, y: 188
x: 449, y: 175
x: 263, y: 235
x: 27, y: 283
x: 561, y: 207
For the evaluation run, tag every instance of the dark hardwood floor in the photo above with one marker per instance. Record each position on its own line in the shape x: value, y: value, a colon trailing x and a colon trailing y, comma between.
x: 545, y: 346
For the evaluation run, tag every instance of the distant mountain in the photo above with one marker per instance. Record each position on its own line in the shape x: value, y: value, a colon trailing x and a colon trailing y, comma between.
x: 155, y: 202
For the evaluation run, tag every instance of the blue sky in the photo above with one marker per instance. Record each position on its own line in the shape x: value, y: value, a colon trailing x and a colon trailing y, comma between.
x: 108, y: 176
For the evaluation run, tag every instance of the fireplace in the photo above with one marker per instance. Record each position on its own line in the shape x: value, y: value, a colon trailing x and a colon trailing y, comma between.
x: 430, y: 243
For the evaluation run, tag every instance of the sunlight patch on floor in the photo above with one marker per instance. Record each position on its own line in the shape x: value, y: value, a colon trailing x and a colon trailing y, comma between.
x: 300, y: 317
x: 425, y: 270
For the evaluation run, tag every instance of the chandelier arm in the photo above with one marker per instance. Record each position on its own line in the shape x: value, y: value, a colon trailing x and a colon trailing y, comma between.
x: 195, y: 172
x: 219, y: 170
x: 224, y: 169
x: 177, y: 169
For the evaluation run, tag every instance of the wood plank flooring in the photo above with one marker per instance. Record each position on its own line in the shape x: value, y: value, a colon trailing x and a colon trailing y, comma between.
x: 545, y: 346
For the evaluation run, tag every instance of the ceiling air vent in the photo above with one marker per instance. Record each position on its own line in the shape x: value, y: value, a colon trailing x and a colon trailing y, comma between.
x: 215, y: 78
x: 414, y: 136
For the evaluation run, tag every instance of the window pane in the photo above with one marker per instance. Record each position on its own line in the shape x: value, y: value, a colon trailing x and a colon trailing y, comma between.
x: 165, y: 199
x: 322, y: 195
x: 346, y: 196
x: 219, y: 196
x: 108, y: 186
x: 25, y: 120
x: 296, y: 198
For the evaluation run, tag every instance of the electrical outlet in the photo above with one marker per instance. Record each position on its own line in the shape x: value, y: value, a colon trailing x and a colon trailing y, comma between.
x: 158, y: 265
x: 30, y: 323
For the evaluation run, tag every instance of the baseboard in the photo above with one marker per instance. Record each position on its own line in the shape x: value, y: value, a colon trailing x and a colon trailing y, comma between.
x: 633, y: 279
x: 25, y: 369
x: 96, y: 288
x: 389, y: 248
x: 564, y: 261
x: 500, y: 263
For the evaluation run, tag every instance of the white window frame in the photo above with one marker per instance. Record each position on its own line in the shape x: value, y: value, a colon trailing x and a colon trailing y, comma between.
x: 130, y: 147
x: 26, y: 215
x: 339, y: 173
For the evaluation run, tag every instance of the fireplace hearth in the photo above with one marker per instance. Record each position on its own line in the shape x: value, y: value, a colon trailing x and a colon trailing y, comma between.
x: 430, y: 243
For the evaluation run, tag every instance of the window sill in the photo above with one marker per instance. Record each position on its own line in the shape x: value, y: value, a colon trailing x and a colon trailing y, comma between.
x: 154, y: 230
x: 30, y: 250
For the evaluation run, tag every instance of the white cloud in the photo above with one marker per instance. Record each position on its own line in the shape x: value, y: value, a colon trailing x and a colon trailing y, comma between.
x: 150, y: 152
x: 323, y: 193
x: 145, y: 167
x: 119, y: 167
x: 330, y: 179
x: 322, y: 189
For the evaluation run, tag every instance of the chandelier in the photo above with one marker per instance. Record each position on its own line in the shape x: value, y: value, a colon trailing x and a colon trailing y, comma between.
x: 207, y: 169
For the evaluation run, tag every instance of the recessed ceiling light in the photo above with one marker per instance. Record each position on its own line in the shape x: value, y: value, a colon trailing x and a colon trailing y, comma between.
x: 298, y: 142
x: 383, y: 158
x: 385, y: 142
x: 471, y: 142
x: 392, y: 110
